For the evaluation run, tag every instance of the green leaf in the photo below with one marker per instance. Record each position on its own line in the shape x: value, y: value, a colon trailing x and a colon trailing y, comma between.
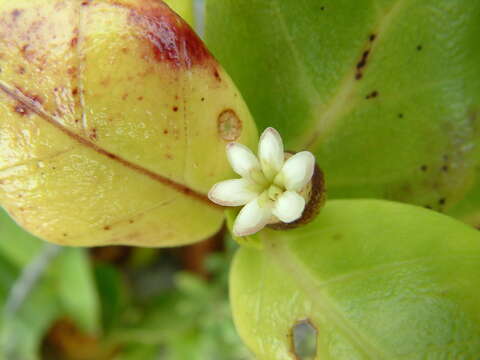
x: 76, y: 289
x: 111, y: 291
x: 17, y: 245
x: 378, y: 280
x: 386, y: 93
x: 468, y: 210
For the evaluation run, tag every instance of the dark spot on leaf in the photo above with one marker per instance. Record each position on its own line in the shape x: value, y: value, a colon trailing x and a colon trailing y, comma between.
x: 428, y: 207
x: 229, y: 126
x: 124, y: 96
x: 363, y: 60
x: 75, y: 91
x: 303, y: 337
x: 337, y: 236
x: 372, y: 95
x: 72, y: 71
x: 372, y: 37
x: 165, y: 131
x: 441, y: 201
x: 361, y: 64
x: 217, y: 75
x: 419, y: 47
x: 171, y: 39
x: 65, y: 234
x: 93, y: 134
x: 21, y: 70
x: 106, y: 228
x: 16, y: 13
x: 21, y: 109
x: 424, y: 168
x: 400, y: 116
x: 202, y: 99
x: 131, y: 221
x: 175, y: 108
x: 445, y: 168
x: 140, y: 98
x: 74, y: 42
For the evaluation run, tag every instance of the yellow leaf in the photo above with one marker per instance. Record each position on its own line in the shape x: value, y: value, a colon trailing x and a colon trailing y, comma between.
x: 112, y: 123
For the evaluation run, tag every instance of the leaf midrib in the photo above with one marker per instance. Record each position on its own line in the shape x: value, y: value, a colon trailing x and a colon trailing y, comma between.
x: 278, y: 251
x: 339, y: 104
x: 36, y: 108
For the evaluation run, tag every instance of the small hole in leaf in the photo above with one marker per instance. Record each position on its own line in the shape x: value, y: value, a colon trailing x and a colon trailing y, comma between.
x: 304, y: 338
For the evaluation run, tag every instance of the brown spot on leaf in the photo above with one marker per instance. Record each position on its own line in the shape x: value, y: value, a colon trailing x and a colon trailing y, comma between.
x: 165, y: 131
x: 21, y: 109
x: 72, y: 71
x: 93, y: 134
x: 21, y: 70
x: 175, y: 108
x: 140, y: 98
x: 372, y: 95
x: 75, y: 91
x: 106, y: 228
x: 171, y: 39
x: 372, y: 37
x: 16, y: 13
x: 363, y: 60
x: 217, y: 75
x: 229, y: 126
x: 74, y: 42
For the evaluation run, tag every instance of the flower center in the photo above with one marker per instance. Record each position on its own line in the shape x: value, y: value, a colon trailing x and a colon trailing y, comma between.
x: 274, y: 192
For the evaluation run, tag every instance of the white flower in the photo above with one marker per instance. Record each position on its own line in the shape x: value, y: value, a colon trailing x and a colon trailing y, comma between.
x: 269, y: 189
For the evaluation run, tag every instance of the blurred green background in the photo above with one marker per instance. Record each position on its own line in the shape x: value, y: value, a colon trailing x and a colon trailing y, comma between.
x: 114, y: 302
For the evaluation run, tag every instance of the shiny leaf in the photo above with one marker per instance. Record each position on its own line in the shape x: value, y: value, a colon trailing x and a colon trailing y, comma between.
x: 114, y: 119
x: 386, y: 93
x: 378, y: 280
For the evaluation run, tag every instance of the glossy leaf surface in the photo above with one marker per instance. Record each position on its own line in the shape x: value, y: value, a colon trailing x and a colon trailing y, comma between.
x: 386, y: 93
x: 378, y: 280
x: 113, y: 123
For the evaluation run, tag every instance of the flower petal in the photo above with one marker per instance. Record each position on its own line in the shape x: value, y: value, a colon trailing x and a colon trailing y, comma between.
x: 252, y: 218
x: 270, y: 152
x: 242, y: 159
x: 234, y: 192
x: 297, y: 171
x: 289, y: 207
